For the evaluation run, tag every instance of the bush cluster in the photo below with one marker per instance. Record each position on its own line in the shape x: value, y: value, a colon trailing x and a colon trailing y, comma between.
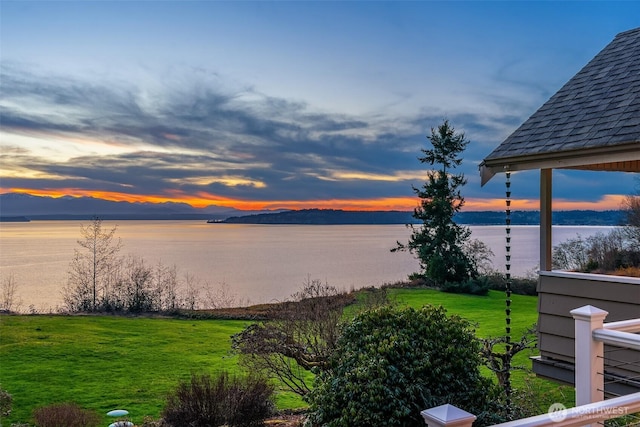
x: 65, y: 415
x: 101, y: 281
x: 222, y: 400
x: 519, y: 285
x: 603, y: 253
x: 134, y: 286
x: 473, y: 286
x: 480, y: 285
x: 390, y: 363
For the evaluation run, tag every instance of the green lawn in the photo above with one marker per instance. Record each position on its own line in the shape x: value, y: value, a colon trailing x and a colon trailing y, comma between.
x: 487, y: 312
x: 104, y: 362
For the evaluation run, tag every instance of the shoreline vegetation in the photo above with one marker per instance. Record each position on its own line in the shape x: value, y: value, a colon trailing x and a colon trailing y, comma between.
x: 133, y: 361
x: 337, y: 216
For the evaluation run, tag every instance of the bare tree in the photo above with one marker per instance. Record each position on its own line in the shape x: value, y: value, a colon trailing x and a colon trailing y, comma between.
x: 499, y: 361
x: 571, y: 254
x: 191, y: 296
x: 606, y: 251
x: 137, y: 282
x: 631, y: 207
x: 91, y: 265
x: 298, y: 337
x: 221, y: 297
x: 480, y: 255
x: 165, y: 293
x: 8, y: 297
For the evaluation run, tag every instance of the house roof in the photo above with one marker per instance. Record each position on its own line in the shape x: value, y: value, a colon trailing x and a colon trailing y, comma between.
x: 592, y: 122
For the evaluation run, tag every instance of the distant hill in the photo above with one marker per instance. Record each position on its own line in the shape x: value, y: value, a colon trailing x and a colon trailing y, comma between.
x: 332, y: 216
x: 324, y: 216
x: 67, y: 207
x: 25, y: 207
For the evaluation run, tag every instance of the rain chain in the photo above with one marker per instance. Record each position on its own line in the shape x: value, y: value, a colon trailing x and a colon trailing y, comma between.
x: 507, y: 366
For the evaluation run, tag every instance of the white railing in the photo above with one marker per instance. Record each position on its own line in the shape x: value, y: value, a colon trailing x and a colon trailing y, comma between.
x: 591, y: 333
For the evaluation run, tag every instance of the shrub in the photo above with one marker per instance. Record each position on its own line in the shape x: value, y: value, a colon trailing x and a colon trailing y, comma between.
x: 298, y: 337
x: 390, y: 363
x: 65, y: 415
x: 151, y: 422
x: 223, y: 400
x: 628, y: 271
x: 473, y: 286
x: 417, y: 280
x: 519, y: 285
x: 370, y: 298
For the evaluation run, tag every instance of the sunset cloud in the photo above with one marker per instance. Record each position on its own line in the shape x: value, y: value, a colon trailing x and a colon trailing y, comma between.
x: 290, y: 112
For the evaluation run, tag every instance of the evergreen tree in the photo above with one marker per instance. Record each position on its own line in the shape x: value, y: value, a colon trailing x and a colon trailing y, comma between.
x: 439, y: 242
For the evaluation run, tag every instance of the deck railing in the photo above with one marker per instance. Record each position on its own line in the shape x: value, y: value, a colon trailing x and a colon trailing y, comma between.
x: 591, y: 333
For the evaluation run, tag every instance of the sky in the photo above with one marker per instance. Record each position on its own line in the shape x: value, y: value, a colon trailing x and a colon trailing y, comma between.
x: 286, y: 104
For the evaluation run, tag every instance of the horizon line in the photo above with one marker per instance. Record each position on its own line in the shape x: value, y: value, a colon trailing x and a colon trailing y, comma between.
x: 400, y: 203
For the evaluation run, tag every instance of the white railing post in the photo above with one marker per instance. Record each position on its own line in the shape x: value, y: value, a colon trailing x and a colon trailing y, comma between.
x: 447, y: 416
x: 589, y: 362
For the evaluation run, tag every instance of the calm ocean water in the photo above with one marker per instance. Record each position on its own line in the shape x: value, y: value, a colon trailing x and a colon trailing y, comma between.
x: 255, y: 263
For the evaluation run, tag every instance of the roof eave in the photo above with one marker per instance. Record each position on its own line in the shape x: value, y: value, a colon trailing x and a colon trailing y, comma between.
x: 574, y: 159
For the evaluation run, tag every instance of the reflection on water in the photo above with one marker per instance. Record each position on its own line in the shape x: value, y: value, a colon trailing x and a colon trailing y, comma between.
x: 258, y: 263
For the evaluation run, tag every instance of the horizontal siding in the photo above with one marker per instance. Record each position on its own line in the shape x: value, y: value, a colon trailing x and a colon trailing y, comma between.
x: 624, y: 292
x: 561, y: 305
x: 560, y: 293
x: 555, y: 325
x: 556, y: 347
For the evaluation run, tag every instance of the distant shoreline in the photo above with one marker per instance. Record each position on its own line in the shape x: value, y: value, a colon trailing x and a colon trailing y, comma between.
x: 14, y: 219
x: 43, y: 208
x: 336, y: 217
x: 341, y: 217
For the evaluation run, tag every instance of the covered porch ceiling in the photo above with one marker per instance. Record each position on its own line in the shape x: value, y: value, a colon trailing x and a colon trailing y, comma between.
x: 618, y: 158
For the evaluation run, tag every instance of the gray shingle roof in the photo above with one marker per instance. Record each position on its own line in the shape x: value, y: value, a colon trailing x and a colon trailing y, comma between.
x: 598, y: 108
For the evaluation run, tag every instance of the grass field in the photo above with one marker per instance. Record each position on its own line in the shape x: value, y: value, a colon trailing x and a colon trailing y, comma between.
x: 104, y: 362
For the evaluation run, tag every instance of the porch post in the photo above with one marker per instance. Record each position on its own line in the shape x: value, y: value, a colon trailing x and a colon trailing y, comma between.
x: 589, y: 363
x: 447, y: 416
x: 545, y: 219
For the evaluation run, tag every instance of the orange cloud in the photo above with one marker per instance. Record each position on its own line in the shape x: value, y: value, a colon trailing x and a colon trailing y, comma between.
x: 474, y: 204
x: 203, y: 199
x: 382, y: 204
x: 607, y: 202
